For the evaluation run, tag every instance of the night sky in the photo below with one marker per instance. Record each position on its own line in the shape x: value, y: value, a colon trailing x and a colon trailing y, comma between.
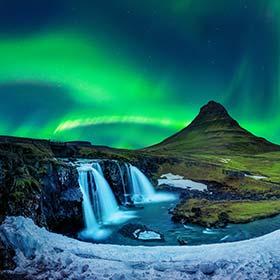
x: 129, y: 73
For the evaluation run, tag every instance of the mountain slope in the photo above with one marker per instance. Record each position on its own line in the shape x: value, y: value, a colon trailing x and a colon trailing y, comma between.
x: 213, y: 131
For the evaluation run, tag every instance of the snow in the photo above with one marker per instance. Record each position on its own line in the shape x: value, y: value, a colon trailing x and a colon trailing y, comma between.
x: 148, y: 235
x: 178, y: 181
x: 256, y: 177
x: 225, y: 160
x: 45, y: 255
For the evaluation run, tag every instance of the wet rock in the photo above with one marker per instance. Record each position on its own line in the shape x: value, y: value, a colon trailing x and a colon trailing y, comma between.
x: 34, y: 184
x: 117, y: 175
x: 72, y: 194
x: 62, y: 198
x: 182, y: 241
x: 7, y: 254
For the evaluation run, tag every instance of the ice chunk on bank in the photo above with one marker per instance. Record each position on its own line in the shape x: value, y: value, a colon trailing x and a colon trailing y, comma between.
x: 178, y: 181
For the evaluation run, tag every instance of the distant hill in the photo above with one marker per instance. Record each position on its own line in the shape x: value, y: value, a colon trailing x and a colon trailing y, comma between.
x: 213, y: 131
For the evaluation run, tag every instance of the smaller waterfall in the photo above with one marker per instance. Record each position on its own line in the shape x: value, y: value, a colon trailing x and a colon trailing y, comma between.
x: 142, y: 189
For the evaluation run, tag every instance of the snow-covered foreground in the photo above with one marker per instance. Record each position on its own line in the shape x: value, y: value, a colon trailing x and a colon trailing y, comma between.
x: 177, y: 181
x: 45, y: 255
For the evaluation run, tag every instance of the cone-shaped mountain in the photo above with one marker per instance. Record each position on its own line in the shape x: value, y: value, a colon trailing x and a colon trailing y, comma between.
x: 214, y: 131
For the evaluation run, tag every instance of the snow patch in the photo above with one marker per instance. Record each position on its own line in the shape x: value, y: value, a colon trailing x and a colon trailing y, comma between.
x: 256, y: 177
x: 225, y: 160
x: 178, y: 181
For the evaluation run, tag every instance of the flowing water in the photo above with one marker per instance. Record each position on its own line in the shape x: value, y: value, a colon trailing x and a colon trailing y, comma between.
x: 99, y: 203
x: 103, y: 216
x: 156, y: 217
x: 92, y: 227
x: 142, y: 189
x: 125, y: 192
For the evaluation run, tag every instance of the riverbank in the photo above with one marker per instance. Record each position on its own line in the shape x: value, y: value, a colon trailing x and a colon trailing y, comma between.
x: 220, y: 213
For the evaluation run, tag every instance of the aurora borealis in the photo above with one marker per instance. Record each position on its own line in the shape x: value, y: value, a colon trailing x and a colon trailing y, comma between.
x: 130, y: 73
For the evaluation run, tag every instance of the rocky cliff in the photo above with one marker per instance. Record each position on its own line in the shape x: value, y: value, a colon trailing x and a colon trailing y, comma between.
x: 35, y: 184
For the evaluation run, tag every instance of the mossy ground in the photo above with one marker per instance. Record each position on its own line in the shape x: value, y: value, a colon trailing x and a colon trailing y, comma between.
x: 215, y: 213
x: 212, y: 167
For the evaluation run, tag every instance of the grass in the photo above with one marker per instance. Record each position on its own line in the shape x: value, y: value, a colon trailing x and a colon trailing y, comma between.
x: 267, y: 164
x: 211, y: 167
x: 216, y: 213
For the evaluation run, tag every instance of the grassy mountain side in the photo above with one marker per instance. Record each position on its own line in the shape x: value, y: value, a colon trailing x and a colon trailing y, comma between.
x: 213, y: 131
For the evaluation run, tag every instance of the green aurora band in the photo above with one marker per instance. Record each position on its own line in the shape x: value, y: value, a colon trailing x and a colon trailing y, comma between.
x: 105, y: 86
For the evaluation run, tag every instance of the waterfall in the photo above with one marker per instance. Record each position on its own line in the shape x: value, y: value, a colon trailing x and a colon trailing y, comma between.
x: 97, y: 167
x: 99, y: 203
x: 92, y: 228
x: 125, y: 193
x: 142, y: 191
x: 90, y: 220
x: 108, y: 206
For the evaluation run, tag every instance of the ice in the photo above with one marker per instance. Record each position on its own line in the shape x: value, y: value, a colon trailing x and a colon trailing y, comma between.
x: 45, y: 255
x: 178, y: 181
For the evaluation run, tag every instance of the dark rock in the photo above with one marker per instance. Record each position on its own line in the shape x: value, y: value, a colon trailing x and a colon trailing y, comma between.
x: 10, y: 275
x: 117, y: 175
x: 34, y: 184
x: 85, y: 268
x: 62, y: 198
x: 234, y: 174
x: 182, y: 241
x: 223, y: 219
x: 73, y: 194
x: 58, y: 250
x: 7, y: 254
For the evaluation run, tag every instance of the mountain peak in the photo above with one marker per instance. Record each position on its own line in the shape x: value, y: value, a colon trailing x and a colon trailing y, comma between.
x: 213, y: 131
x: 213, y: 107
x: 213, y: 112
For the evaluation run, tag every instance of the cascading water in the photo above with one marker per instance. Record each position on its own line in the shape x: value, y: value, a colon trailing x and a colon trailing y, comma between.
x: 97, y: 167
x: 92, y: 228
x: 142, y: 190
x: 125, y: 193
x: 108, y: 206
x: 99, y: 203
